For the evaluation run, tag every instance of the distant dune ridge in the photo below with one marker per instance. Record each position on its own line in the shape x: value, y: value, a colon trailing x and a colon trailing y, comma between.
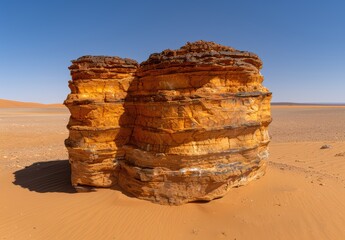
x: 306, y: 104
x: 4, y: 103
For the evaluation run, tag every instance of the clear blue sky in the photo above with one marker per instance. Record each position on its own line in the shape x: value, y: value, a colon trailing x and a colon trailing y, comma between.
x: 302, y: 43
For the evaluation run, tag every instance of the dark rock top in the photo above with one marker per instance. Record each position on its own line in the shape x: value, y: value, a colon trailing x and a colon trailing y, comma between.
x: 101, y: 67
x: 202, y: 55
x: 195, y: 56
x: 103, y: 62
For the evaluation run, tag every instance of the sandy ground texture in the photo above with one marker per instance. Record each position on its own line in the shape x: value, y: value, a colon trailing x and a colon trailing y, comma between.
x: 302, y: 195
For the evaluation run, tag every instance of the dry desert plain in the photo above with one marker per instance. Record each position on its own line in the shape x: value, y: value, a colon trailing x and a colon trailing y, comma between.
x: 302, y: 195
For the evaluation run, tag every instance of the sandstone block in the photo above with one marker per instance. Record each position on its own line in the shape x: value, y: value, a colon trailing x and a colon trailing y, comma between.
x: 99, y: 125
x: 183, y: 126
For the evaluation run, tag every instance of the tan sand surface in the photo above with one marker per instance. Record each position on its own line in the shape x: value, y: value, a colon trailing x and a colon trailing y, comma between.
x: 302, y: 195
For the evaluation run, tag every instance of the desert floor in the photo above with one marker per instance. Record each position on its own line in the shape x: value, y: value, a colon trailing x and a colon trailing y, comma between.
x: 302, y: 195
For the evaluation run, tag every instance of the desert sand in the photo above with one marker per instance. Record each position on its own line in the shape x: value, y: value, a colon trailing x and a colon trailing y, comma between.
x: 4, y: 103
x: 302, y: 195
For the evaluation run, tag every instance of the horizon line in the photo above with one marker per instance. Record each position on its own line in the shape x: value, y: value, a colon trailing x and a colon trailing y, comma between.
x: 272, y: 103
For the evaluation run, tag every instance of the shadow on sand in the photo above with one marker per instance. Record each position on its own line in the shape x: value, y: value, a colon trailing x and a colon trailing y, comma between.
x: 44, y: 177
x: 52, y: 176
x: 55, y: 177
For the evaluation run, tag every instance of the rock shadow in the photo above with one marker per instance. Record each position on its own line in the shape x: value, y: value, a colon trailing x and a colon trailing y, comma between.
x: 45, y: 177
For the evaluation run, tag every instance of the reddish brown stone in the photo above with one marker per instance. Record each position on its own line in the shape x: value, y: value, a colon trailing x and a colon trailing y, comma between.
x: 185, y: 125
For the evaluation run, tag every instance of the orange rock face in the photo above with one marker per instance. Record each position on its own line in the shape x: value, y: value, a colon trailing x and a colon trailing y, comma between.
x: 98, y: 126
x: 196, y: 125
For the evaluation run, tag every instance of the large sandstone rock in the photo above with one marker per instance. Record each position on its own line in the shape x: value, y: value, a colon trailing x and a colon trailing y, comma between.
x: 195, y: 125
x: 98, y: 124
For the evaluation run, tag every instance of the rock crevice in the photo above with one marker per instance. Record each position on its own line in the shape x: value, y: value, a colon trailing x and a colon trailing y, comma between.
x: 184, y: 125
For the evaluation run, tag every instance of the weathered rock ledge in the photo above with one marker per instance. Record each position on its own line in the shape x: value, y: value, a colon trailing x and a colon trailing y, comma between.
x: 185, y: 125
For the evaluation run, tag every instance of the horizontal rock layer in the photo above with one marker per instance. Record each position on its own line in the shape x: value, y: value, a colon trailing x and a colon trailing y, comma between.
x: 185, y: 125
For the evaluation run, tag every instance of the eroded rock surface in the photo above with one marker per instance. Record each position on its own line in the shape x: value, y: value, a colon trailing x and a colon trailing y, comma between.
x: 194, y: 123
x: 98, y: 126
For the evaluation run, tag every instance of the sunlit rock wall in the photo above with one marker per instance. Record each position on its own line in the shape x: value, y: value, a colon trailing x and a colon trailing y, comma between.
x: 200, y: 127
x: 98, y: 126
x: 194, y: 123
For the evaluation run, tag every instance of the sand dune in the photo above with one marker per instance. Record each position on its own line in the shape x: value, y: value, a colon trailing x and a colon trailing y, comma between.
x: 302, y: 196
x: 16, y: 104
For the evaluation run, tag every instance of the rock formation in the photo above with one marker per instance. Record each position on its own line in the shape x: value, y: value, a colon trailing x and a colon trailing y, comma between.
x: 194, y: 123
x: 98, y: 126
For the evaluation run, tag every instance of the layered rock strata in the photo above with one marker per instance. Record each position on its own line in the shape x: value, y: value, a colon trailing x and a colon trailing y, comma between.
x: 98, y: 126
x: 195, y: 125
x: 200, y: 127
